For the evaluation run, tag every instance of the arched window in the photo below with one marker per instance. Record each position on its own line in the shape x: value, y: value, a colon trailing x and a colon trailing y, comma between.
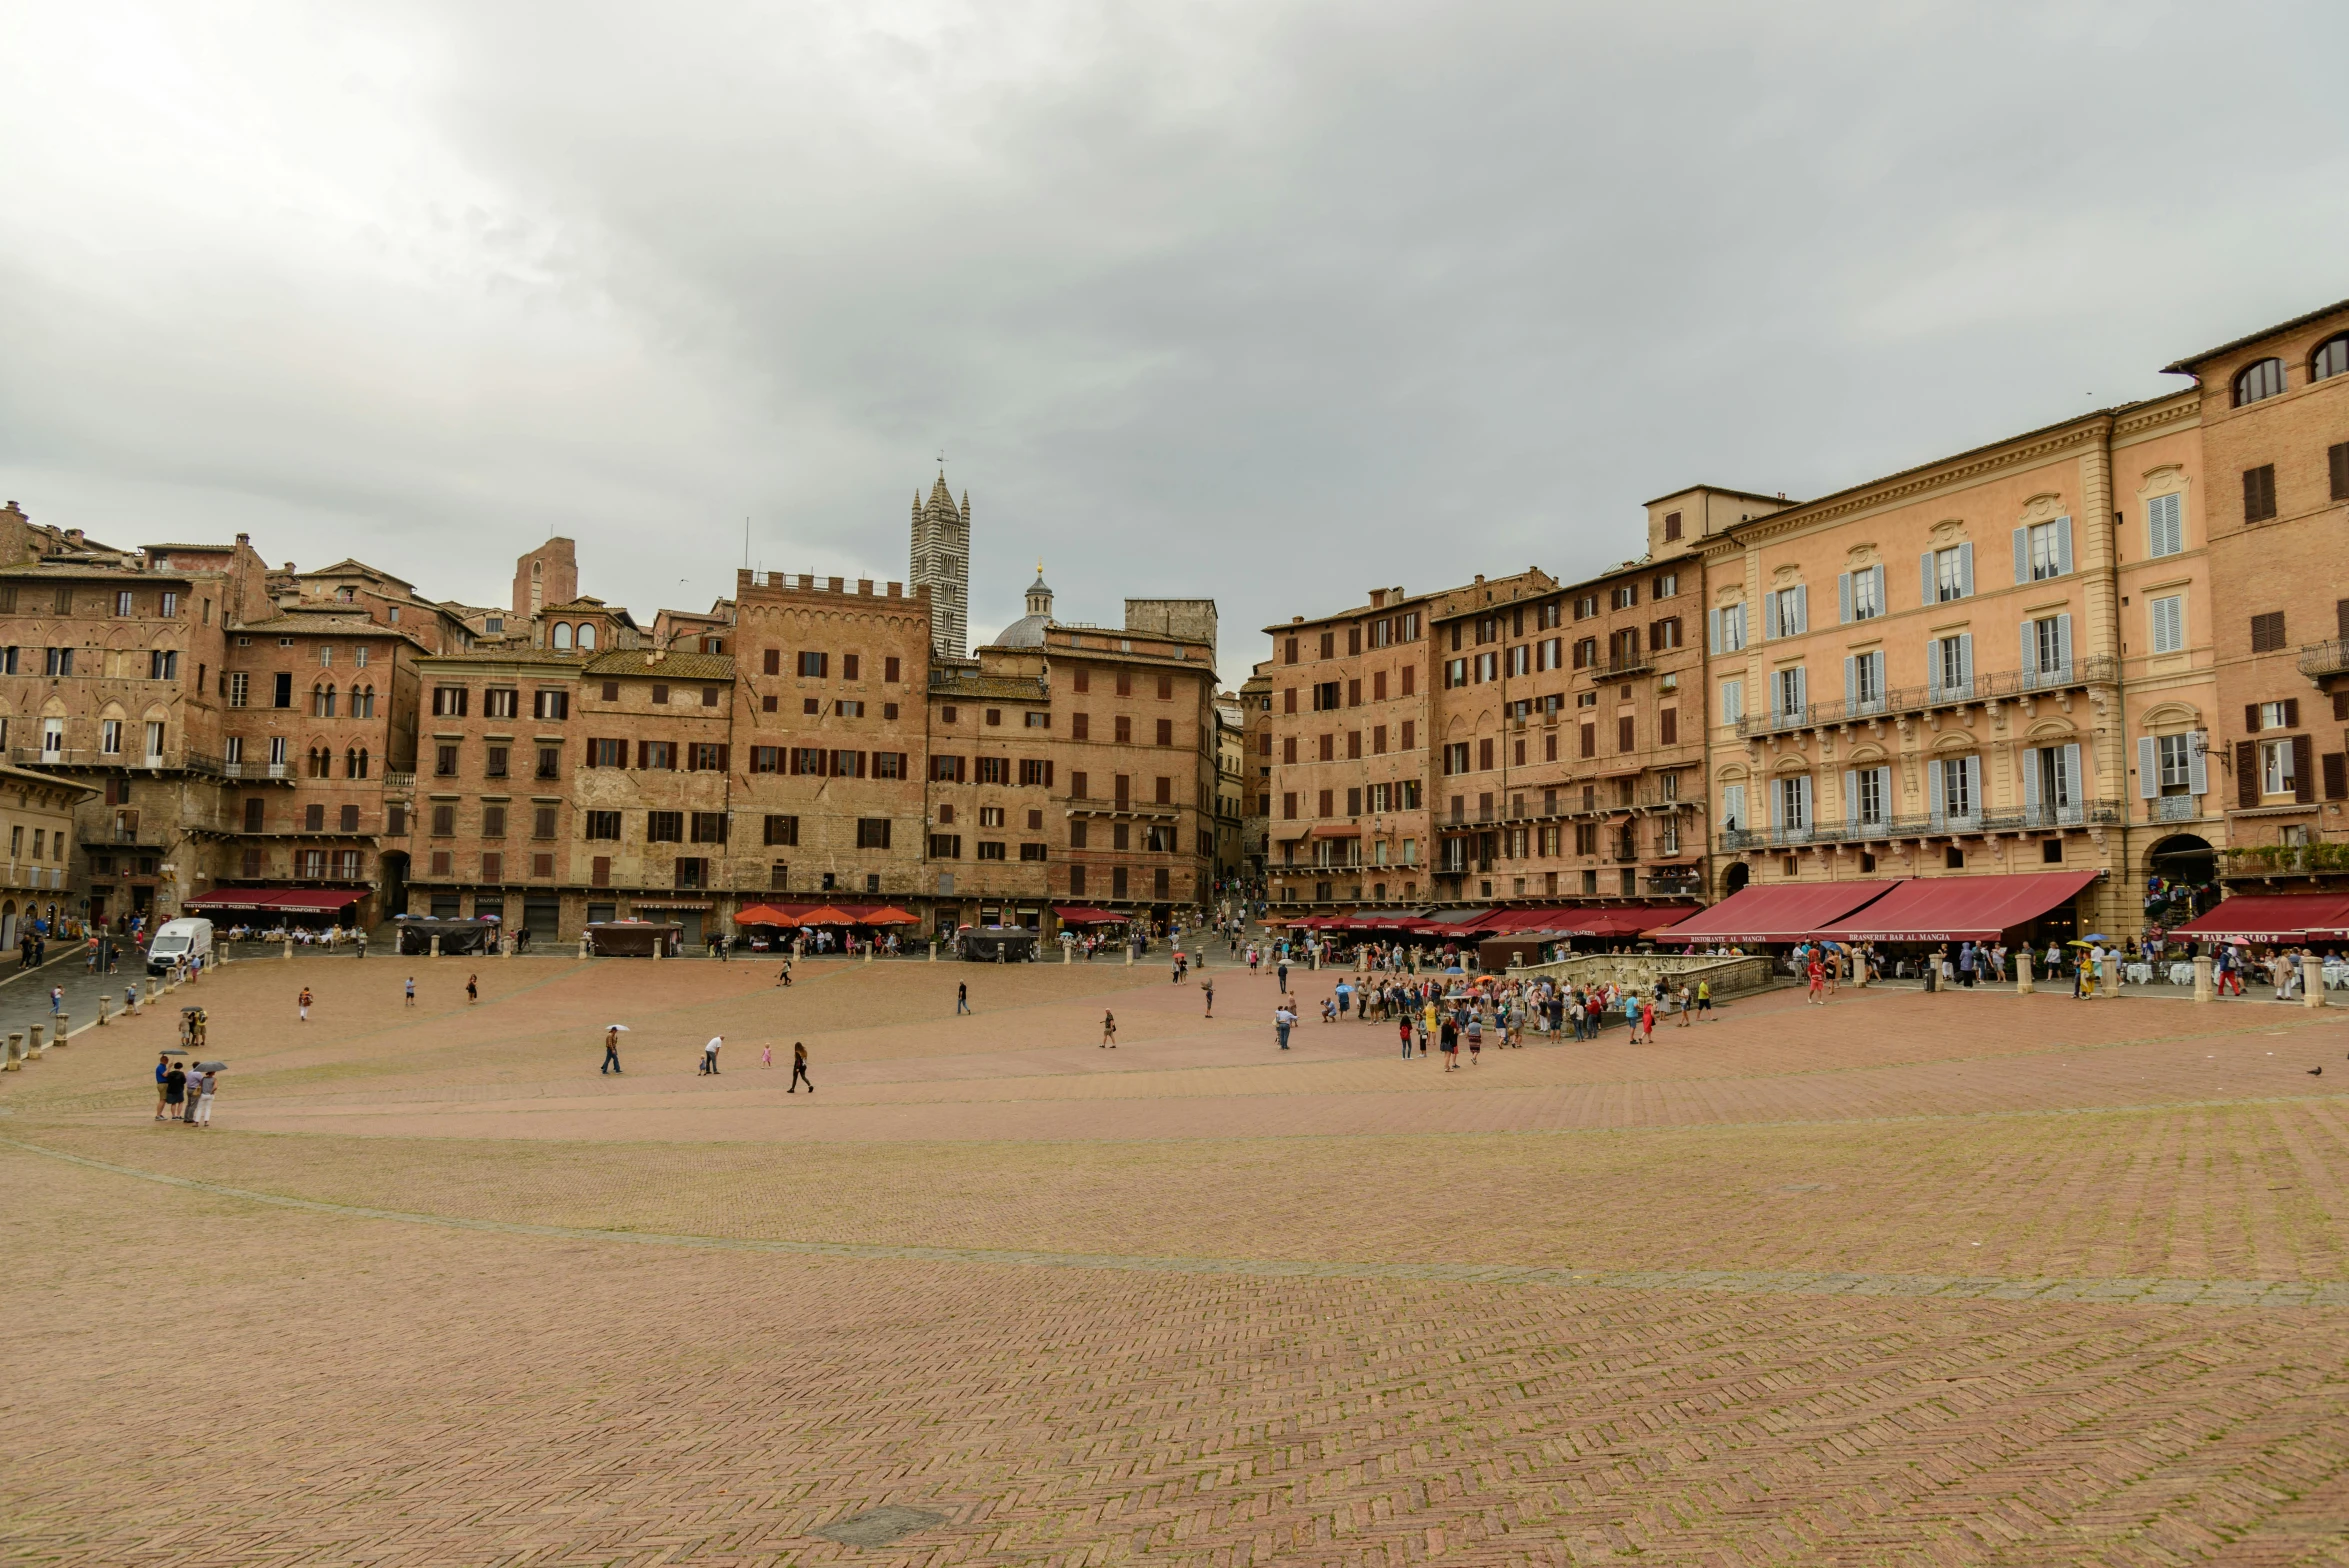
x: 2331, y: 357
x: 322, y: 702
x: 562, y: 634
x: 586, y: 634
x: 362, y: 702
x: 2263, y: 379
x: 359, y: 763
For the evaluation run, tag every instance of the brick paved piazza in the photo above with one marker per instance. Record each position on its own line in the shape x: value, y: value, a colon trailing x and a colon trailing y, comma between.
x: 1958, y: 1279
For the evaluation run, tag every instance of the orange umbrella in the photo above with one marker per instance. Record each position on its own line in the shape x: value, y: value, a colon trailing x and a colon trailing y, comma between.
x: 762, y: 915
x: 826, y: 916
x: 892, y: 916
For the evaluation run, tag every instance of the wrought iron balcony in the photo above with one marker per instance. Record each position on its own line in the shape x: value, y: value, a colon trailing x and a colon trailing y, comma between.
x: 2000, y: 686
x: 2325, y: 658
x: 2028, y: 819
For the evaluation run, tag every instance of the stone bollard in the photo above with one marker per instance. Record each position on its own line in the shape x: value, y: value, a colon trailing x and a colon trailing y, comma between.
x: 933, y: 950
x: 2203, y: 991
x: 61, y: 1030
x: 1129, y: 955
x: 868, y: 952
x: 154, y: 988
x: 435, y: 944
x: 105, y: 1006
x: 2312, y: 980
x: 583, y: 947
x: 32, y: 1042
x: 14, y: 1053
x: 2023, y: 985
x: 288, y: 953
x: 505, y: 945
x: 1068, y: 952
x: 2111, y: 968
x: 660, y: 947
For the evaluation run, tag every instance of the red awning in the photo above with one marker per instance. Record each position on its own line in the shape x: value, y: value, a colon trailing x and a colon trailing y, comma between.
x: 1957, y: 909
x: 1336, y: 830
x: 311, y: 900
x: 1082, y: 915
x: 2273, y: 917
x: 1633, y: 919
x: 1774, y: 912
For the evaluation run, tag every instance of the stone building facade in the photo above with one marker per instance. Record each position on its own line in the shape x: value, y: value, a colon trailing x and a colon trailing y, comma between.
x: 38, y: 842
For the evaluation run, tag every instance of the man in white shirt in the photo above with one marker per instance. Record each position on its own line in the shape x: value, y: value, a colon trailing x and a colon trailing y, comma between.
x: 709, y: 1054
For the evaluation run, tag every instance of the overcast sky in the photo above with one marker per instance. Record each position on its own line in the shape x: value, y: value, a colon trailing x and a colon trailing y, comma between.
x: 1262, y: 301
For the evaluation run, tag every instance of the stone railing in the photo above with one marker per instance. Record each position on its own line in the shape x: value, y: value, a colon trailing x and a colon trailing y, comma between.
x: 1640, y: 971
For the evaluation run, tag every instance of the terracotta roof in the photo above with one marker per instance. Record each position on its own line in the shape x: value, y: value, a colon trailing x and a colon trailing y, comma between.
x: 672, y: 666
x: 2185, y: 367
x: 33, y: 776
x: 1008, y: 688
x: 208, y: 549
x: 501, y: 653
x: 59, y: 570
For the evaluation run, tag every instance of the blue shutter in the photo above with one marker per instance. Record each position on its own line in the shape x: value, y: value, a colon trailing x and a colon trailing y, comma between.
x: 1933, y: 775
x: 2197, y: 765
x: 1966, y: 569
x: 2031, y: 780
x: 1713, y: 625
x: 2030, y: 664
x: 1733, y: 808
x: 1843, y: 600
x: 1802, y: 795
x: 1881, y: 603
x: 2022, y: 555
x: 1974, y: 785
x: 1966, y: 661
x: 1802, y: 691
x: 1851, y: 683
x: 1927, y: 571
x: 1802, y: 608
x: 1933, y: 667
x: 2063, y: 642
x: 1775, y: 813
x: 1851, y: 797
x: 2063, y: 546
x: 2074, y: 792
x: 2148, y: 767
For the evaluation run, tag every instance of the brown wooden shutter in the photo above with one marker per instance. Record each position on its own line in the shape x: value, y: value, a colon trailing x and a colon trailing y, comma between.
x: 2341, y: 612
x: 643, y: 753
x: 2246, y: 774
x: 774, y: 661
x: 2336, y: 770
x: 2291, y: 713
x: 2251, y: 718
x: 725, y: 756
x: 2303, y: 769
x: 2341, y: 703
x: 2340, y: 461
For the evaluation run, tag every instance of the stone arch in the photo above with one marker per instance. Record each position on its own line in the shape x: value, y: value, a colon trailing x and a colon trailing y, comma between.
x: 1734, y: 877
x: 1955, y: 743
x: 1868, y: 755
x: 2057, y: 731
x: 2170, y: 716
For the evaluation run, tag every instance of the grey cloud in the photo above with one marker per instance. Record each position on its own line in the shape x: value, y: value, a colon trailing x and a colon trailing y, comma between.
x: 1264, y: 302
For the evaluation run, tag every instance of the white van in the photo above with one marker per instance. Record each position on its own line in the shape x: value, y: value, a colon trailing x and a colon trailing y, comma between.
x: 177, y: 942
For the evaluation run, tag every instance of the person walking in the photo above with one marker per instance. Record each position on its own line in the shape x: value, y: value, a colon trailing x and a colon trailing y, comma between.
x: 1108, y: 1030
x: 56, y: 1000
x: 1680, y: 1007
x: 411, y: 1002
x: 1282, y: 1021
x: 302, y: 1005
x: 783, y: 980
x: 472, y: 989
x: 207, y: 1083
x: 611, y: 1051
x: 1475, y: 1039
x: 962, y: 998
x: 799, y: 1070
x: 1208, y: 988
x: 1448, y: 1040
x: 175, y: 1090
x: 767, y: 1054
x: 1281, y: 971
x: 709, y: 1054
x: 1403, y: 1028
x: 162, y: 1071
x: 1816, y: 972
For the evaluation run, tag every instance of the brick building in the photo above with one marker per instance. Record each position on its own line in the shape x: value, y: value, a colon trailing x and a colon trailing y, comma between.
x: 1256, y: 773
x: 832, y: 746
x: 318, y: 719
x: 2274, y: 418
x: 109, y: 660
x: 1569, y: 725
x: 38, y: 833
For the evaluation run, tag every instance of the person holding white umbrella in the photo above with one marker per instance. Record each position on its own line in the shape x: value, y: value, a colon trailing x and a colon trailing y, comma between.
x: 612, y: 1033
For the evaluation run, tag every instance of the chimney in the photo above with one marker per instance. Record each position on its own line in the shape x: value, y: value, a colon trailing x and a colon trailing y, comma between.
x: 1378, y: 598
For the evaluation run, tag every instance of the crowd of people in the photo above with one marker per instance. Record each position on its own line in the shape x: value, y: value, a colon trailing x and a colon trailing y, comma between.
x: 1448, y: 1013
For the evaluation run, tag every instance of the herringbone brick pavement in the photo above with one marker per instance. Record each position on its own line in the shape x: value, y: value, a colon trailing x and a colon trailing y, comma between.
x: 1457, y: 1360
